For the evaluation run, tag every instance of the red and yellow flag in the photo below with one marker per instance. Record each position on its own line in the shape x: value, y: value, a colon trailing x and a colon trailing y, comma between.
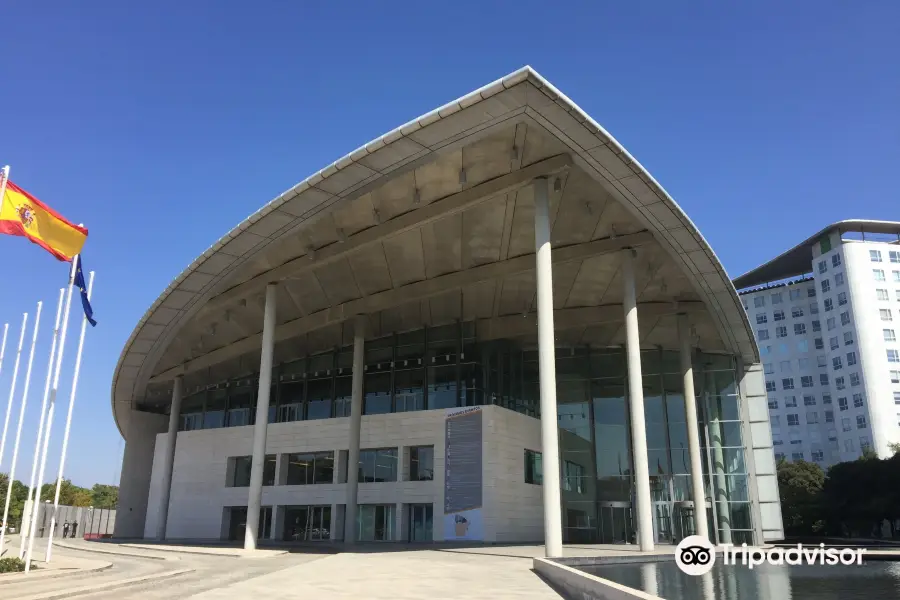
x: 24, y: 215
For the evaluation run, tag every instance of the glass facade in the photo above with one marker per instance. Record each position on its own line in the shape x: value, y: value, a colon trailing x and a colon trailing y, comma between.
x: 421, y: 522
x: 310, y: 468
x: 377, y: 465
x: 236, y: 517
x: 375, y: 522
x: 421, y: 463
x: 240, y: 471
x: 306, y: 523
x: 445, y: 367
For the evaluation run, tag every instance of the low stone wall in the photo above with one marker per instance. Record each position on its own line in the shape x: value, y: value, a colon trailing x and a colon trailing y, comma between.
x: 584, y: 586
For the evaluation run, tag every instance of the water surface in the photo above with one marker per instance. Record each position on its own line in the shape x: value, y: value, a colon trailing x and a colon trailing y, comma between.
x: 874, y: 580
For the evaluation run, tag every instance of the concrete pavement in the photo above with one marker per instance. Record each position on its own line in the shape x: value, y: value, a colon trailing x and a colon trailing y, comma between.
x: 375, y: 571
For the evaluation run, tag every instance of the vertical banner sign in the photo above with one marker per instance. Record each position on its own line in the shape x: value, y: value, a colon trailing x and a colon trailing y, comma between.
x: 463, y: 481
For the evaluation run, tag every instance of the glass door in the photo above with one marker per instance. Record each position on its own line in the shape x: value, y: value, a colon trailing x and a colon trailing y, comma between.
x: 421, y: 518
x: 264, y: 530
x: 662, y: 523
x: 321, y: 523
x: 683, y: 516
x: 616, y: 525
x: 375, y: 522
x: 307, y: 523
x: 237, y: 523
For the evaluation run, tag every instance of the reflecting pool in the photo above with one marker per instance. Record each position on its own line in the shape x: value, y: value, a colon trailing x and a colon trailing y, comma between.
x: 874, y: 580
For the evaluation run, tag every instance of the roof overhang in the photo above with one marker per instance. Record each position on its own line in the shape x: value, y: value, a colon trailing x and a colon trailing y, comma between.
x: 635, y: 212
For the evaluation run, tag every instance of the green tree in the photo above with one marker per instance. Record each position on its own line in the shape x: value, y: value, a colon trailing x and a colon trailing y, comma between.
x: 860, y: 495
x: 17, y: 498
x: 104, y: 496
x: 69, y: 493
x: 800, y: 485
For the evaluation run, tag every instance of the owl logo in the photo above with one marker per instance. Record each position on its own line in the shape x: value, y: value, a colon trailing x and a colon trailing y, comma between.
x: 26, y: 215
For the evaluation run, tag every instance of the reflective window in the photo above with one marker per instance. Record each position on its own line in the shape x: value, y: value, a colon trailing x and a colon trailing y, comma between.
x: 307, y: 523
x: 239, y: 469
x: 421, y: 463
x: 192, y: 412
x: 290, y: 406
x: 375, y: 522
x: 442, y: 391
x: 318, y: 397
x: 343, y: 395
x: 611, y: 439
x: 309, y: 468
x: 377, y: 394
x: 240, y: 406
x: 409, y: 389
x: 573, y: 477
x: 378, y: 465
x: 534, y: 471
x: 214, y: 413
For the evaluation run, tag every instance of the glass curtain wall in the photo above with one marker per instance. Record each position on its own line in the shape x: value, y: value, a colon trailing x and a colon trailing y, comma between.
x: 375, y: 522
x: 443, y: 367
x: 723, y: 450
x: 306, y: 523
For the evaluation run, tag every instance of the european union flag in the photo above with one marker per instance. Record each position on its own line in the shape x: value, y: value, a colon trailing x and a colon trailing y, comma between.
x: 82, y: 287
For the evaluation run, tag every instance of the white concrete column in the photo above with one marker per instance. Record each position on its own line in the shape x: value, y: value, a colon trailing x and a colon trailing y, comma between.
x: 643, y: 510
x: 547, y: 369
x: 356, y: 408
x: 258, y: 461
x: 169, y: 457
x: 698, y: 493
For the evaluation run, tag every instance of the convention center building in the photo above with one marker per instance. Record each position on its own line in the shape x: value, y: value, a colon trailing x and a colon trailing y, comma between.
x: 490, y: 324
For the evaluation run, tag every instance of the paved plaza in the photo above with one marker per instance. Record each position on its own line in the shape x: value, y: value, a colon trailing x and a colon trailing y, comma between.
x: 397, y: 572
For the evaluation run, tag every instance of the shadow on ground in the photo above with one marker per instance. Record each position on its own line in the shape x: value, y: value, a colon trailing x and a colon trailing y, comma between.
x: 510, y: 550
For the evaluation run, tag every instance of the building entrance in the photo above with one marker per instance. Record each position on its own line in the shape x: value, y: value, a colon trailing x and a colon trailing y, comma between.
x: 616, y: 523
x: 307, y: 523
x: 237, y: 523
x: 683, y: 520
x: 662, y: 523
x: 421, y: 522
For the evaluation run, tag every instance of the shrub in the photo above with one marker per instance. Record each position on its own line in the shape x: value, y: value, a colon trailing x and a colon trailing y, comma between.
x: 12, y: 564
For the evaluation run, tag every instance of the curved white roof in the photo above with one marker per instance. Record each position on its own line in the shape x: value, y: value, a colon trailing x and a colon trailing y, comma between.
x: 220, y: 275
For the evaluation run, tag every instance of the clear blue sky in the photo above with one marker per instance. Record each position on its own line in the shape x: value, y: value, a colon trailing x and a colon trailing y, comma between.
x: 161, y: 125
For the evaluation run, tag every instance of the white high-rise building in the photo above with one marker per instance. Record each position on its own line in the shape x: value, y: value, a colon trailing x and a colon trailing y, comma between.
x: 827, y: 317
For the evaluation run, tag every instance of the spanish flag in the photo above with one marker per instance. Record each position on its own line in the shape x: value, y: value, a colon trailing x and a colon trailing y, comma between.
x: 23, y: 214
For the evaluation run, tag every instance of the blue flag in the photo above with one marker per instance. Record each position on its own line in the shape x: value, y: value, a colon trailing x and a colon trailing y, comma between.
x: 82, y: 287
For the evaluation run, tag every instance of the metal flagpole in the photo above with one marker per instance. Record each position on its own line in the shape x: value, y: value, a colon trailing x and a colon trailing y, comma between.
x: 3, y: 346
x: 4, y: 177
x: 35, y: 502
x: 15, y: 456
x: 12, y: 388
x: 65, y: 444
x: 49, y: 421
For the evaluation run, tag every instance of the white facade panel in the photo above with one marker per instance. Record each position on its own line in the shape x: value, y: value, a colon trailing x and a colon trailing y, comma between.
x: 200, y: 492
